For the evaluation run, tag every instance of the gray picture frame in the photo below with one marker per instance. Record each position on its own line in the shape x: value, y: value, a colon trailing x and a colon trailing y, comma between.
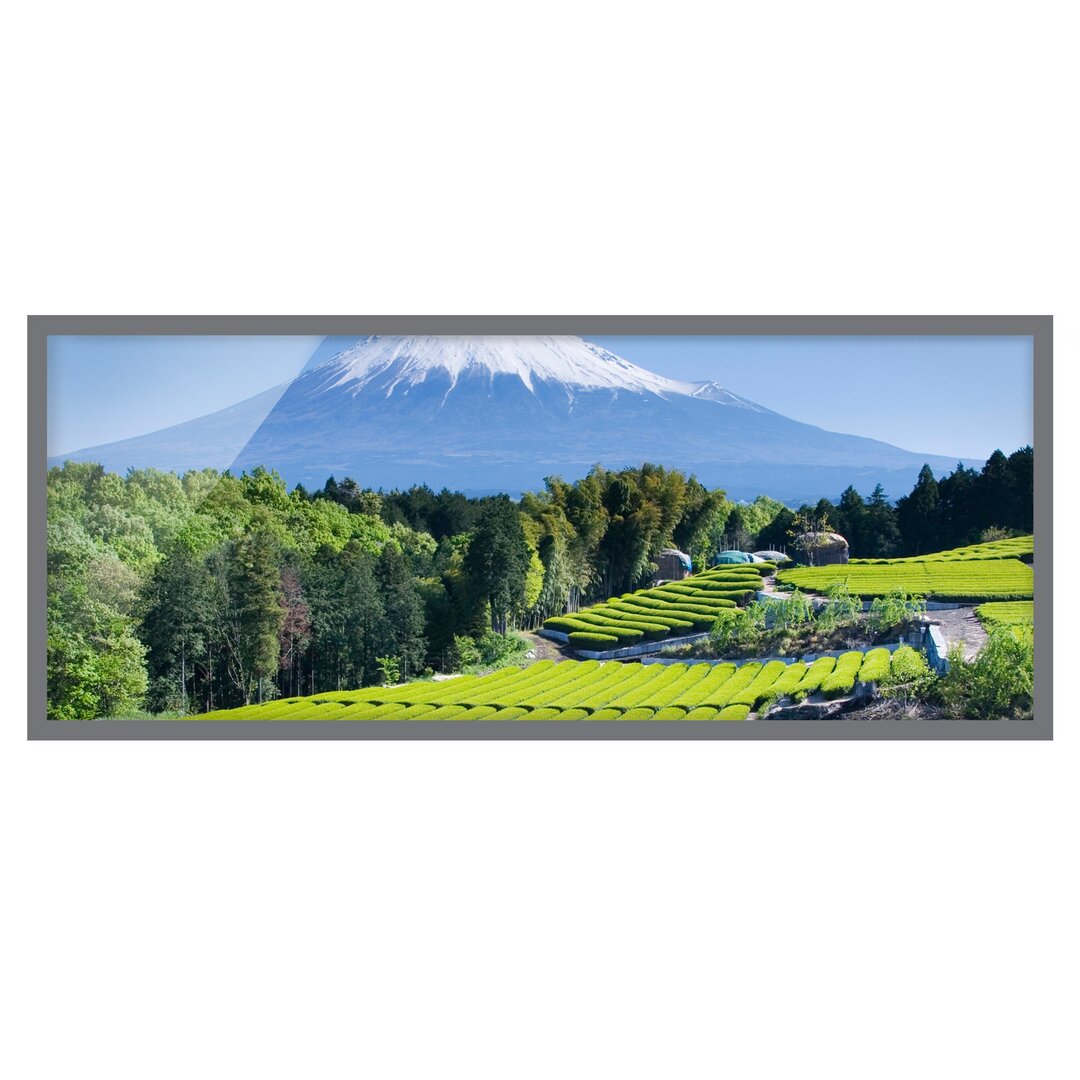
x: 1038, y: 327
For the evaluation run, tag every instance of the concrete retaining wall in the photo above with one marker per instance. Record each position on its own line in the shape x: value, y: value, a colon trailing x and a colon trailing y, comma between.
x: 818, y: 604
x: 936, y: 649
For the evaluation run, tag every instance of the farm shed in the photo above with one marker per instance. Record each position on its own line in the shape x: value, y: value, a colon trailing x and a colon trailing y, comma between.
x: 821, y: 549
x: 672, y: 565
x: 723, y: 557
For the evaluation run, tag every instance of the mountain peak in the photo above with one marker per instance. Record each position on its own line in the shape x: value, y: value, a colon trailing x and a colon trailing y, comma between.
x: 571, y: 361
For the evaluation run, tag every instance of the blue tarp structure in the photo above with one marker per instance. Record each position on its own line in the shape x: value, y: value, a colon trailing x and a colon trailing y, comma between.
x: 722, y: 557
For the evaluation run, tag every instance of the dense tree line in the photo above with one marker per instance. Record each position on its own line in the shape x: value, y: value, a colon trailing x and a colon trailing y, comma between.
x: 209, y: 590
x: 961, y: 508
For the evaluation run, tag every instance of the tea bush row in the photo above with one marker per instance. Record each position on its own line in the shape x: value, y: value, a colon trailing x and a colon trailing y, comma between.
x: 986, y: 579
x: 579, y: 690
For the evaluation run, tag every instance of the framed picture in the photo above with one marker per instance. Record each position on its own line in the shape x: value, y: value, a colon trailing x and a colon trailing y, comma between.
x: 540, y: 527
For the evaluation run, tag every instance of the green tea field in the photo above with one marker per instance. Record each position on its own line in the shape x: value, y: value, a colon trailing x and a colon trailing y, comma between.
x: 680, y: 607
x: 1013, y: 548
x: 1015, y: 613
x: 587, y: 690
x: 965, y: 581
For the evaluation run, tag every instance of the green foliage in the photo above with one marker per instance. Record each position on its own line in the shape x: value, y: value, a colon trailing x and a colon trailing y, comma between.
x: 840, y: 682
x: 1014, y: 613
x: 875, y: 666
x: 389, y: 669
x: 894, y: 610
x: 791, y: 612
x: 498, y: 560
x: 787, y: 682
x: 998, y: 683
x: 594, y: 642
x: 741, y: 628
x: 815, y: 676
x: 734, y: 712
x: 909, y: 677
x: 1013, y: 547
x: 840, y: 609
x: 963, y: 580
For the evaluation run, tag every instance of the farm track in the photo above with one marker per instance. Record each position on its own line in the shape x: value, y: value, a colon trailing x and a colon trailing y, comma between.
x: 961, y: 624
x: 545, y: 648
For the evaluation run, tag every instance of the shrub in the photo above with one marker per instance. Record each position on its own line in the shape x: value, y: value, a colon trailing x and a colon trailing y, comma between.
x: 610, y: 628
x: 894, y: 609
x: 702, y: 712
x: 729, y: 690
x: 670, y: 712
x: 1002, y: 675
x: 841, y: 681
x: 570, y: 714
x: 784, y: 685
x: 816, y: 674
x: 909, y: 678
x: 594, y: 642
x: 1007, y: 614
x: 449, y: 712
x: 875, y: 666
x: 743, y: 628
x: 734, y: 712
x: 699, y: 618
x: 792, y: 612
x: 841, y: 608
x: 563, y: 623
x: 760, y: 685
x: 654, y: 616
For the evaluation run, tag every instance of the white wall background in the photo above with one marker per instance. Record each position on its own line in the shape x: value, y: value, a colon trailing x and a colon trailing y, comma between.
x: 516, y: 910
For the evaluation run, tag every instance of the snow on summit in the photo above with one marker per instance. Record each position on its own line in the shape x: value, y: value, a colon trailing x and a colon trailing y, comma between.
x: 570, y: 361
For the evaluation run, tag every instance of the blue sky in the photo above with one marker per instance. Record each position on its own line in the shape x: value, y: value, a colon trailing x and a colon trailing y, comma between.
x: 957, y: 396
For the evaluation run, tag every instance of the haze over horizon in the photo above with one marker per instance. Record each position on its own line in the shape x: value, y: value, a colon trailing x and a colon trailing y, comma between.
x: 102, y: 389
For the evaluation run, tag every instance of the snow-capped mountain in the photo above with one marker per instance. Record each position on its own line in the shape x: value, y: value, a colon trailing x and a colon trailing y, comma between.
x: 574, y: 363
x: 502, y: 413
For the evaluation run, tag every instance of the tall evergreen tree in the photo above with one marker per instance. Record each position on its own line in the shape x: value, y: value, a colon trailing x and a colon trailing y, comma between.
x: 254, y: 612
x: 882, y: 532
x: 850, y: 520
x: 176, y: 627
x: 498, y: 559
x: 404, y: 610
x: 918, y: 515
x: 1022, y: 474
x: 997, y: 498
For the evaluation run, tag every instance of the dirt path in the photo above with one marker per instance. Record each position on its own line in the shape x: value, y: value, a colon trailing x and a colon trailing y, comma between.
x: 960, y: 624
x: 545, y: 648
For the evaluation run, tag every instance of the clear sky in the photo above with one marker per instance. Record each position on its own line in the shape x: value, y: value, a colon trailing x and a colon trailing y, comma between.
x: 102, y: 389
x: 957, y: 396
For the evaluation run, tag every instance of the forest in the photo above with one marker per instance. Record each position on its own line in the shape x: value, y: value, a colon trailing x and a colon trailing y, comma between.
x: 182, y: 594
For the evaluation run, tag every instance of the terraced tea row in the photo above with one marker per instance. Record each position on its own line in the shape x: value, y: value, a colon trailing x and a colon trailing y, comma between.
x: 1012, y: 548
x: 965, y: 581
x: 1016, y: 613
x: 587, y: 690
x: 680, y: 607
